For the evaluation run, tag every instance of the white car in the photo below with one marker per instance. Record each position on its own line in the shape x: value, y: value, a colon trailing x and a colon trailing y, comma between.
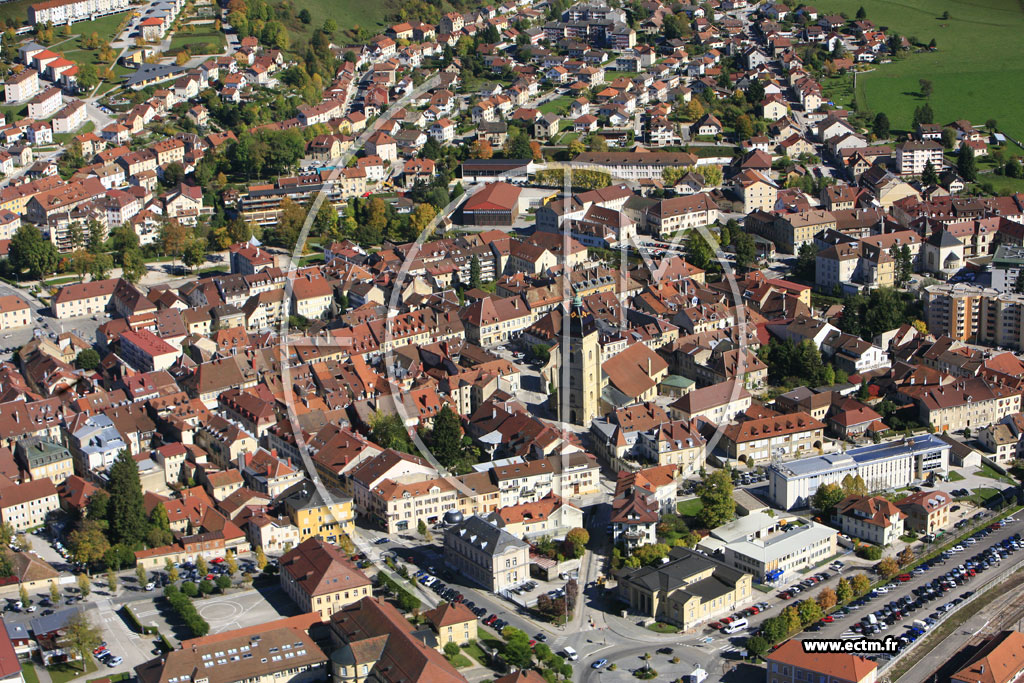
x: 150, y: 586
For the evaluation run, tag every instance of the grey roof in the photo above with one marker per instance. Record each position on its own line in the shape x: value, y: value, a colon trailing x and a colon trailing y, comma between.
x: 53, y: 622
x: 152, y: 72
x: 684, y: 563
x: 944, y: 238
x: 484, y: 536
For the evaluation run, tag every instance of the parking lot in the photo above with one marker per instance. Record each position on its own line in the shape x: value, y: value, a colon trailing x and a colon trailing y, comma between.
x: 924, y: 595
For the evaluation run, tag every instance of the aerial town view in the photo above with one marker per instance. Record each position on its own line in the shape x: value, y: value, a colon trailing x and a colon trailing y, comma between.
x: 438, y: 341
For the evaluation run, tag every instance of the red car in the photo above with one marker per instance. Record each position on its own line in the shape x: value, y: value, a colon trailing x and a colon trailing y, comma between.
x: 755, y: 610
x: 717, y: 625
x: 904, y: 578
x: 217, y: 560
x: 726, y: 621
x: 786, y: 596
x: 828, y: 619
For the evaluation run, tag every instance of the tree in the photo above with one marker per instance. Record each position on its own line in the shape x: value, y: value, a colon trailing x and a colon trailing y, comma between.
x: 517, y: 145
x: 140, y: 573
x: 805, y: 261
x: 133, y: 267
x: 578, y: 538
x: 82, y: 636
x: 516, y: 651
x: 860, y: 583
x: 446, y: 437
x: 87, y: 359
x: 422, y: 530
x: 906, y: 556
x: 88, y: 77
x: 809, y: 611
x: 745, y: 249
x: 112, y: 579
x: 698, y: 251
x: 827, y: 599
x: 926, y: 87
x: 966, y: 165
x: 756, y: 646
x: 261, y: 558
x: 206, y: 586
x: 195, y: 253
x: 775, y: 629
x: 1018, y: 284
x: 159, y: 531
x: 792, y: 619
x: 24, y: 596
x: 304, y: 16
x: 29, y: 252
x: 231, y: 563
x: 716, y: 499
x: 100, y: 266
x: 127, y: 513
x: 202, y: 566
x: 481, y: 149
x: 880, y: 127
x: 474, y: 273
x: 827, y: 497
x: 861, y: 13
x: 451, y: 649
x: 694, y: 110
x: 54, y: 593
x: 929, y: 176
x: 173, y: 237
x: 888, y: 567
x: 96, y: 508
x: 948, y: 137
x: 854, y: 486
x: 84, y: 584
x: 223, y: 583
x: 190, y: 589
x: 844, y: 593
x: 88, y: 542
x: 744, y: 127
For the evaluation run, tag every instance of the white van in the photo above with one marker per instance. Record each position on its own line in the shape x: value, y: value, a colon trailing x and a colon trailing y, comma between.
x: 570, y: 653
x: 735, y: 627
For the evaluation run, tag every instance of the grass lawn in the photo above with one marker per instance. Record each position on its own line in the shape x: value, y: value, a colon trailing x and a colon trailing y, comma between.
x: 348, y: 14
x: 474, y: 651
x: 62, y: 138
x: 987, y: 471
x: 106, y: 27
x: 955, y: 476
x: 460, y: 661
x: 559, y: 105
x: 659, y: 627
x: 28, y: 670
x: 1001, y: 184
x: 62, y: 673
x: 978, y: 58
x: 716, y: 151
x: 763, y: 588
x: 689, y: 508
x: 979, y: 496
x: 123, y: 676
x: 15, y: 12
x: 204, y: 41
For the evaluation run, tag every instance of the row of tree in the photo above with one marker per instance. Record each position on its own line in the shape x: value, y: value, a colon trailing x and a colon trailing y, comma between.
x: 186, y: 611
x: 406, y: 601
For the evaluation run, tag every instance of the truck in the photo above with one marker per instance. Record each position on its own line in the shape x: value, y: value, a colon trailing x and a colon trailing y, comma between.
x: 697, y: 676
x: 918, y: 623
x: 570, y: 653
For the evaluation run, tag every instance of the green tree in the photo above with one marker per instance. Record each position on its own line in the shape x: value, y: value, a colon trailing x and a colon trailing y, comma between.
x: 516, y: 650
x: 29, y: 252
x: 929, y: 176
x: 827, y: 497
x: 88, y: 542
x: 745, y: 250
x: 422, y: 530
x: 744, y: 127
x: 223, y: 583
x: 756, y: 646
x: 880, y: 126
x: 698, y: 251
x: 88, y: 77
x: 202, y: 566
x: 100, y: 266
x: 844, y: 593
x: 206, y: 586
x: 717, y: 504
x: 82, y: 636
x: 231, y: 563
x: 140, y: 574
x: 474, y: 273
x: 775, y: 629
x: 446, y: 437
x: 792, y: 619
x: 195, y: 253
x: 304, y: 16
x: 388, y: 430
x: 809, y: 611
x: 24, y: 596
x: 330, y: 26
x: 96, y: 508
x: 84, y: 584
x: 806, y: 260
x: 854, y: 486
x: 190, y: 589
x: 87, y: 359
x: 966, y: 164
x: 54, y: 593
x: 127, y: 513
x: 925, y: 87
x: 159, y: 531
x: 517, y: 144
x: 133, y: 267
x: 111, y: 580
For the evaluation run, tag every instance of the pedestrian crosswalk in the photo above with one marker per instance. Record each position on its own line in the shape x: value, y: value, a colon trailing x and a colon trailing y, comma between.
x: 731, y: 648
x: 848, y: 635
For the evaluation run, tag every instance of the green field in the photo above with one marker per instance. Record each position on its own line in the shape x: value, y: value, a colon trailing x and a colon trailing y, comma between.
x: 976, y: 71
x: 204, y: 41
x: 348, y: 14
x: 15, y: 12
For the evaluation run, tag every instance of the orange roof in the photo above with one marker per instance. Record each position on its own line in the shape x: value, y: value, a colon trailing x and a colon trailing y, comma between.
x: 831, y: 665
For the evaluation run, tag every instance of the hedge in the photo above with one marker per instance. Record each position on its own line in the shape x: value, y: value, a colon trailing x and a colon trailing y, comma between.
x: 186, y: 611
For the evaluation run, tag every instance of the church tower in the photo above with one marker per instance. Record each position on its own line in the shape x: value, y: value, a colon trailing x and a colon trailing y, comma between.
x: 584, y: 366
